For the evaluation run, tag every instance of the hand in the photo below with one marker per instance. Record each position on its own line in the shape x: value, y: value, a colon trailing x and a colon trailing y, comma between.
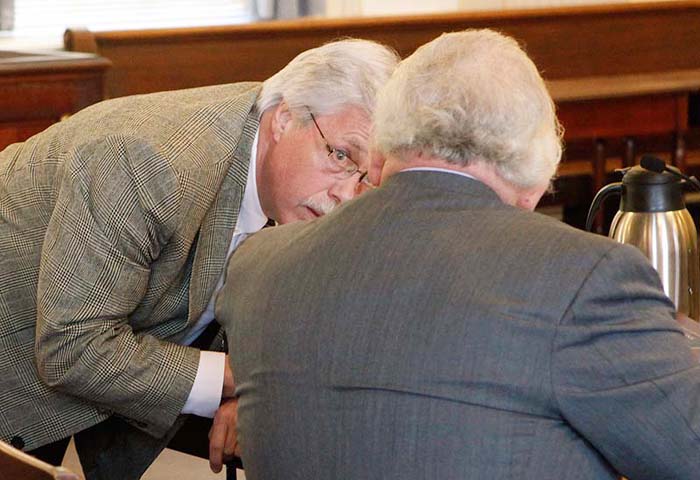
x: 223, y: 440
x: 229, y: 385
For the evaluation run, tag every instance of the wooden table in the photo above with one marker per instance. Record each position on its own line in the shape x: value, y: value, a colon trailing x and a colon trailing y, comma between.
x: 37, y: 89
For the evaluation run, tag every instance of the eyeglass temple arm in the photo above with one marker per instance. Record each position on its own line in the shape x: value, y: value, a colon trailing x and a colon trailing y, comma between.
x: 320, y: 132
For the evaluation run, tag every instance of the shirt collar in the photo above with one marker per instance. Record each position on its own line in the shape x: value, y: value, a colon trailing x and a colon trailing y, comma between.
x: 436, y: 169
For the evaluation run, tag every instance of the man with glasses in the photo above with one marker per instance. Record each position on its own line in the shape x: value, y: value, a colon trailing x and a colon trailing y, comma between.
x: 115, y: 226
x: 437, y: 328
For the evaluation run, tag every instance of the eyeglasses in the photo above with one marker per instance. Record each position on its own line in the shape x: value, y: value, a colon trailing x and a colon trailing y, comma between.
x: 342, y: 164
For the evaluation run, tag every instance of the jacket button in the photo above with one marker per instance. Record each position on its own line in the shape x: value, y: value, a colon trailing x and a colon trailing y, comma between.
x: 17, y: 442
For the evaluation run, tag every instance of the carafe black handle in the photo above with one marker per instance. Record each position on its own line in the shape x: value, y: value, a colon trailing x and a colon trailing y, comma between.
x: 603, y: 193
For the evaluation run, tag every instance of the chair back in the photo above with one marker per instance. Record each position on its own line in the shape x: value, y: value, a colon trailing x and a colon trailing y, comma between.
x: 15, y: 465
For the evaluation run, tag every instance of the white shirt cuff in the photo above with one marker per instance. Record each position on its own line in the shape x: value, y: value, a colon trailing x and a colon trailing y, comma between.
x: 205, y: 395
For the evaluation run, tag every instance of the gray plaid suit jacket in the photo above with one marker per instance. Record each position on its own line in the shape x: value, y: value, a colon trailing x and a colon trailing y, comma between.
x: 426, y: 330
x: 114, y: 226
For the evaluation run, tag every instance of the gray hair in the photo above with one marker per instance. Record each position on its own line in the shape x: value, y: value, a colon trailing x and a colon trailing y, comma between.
x: 472, y: 96
x: 327, y: 78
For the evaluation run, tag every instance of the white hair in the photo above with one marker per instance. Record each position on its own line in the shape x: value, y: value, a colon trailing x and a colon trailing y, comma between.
x: 330, y: 77
x: 472, y: 96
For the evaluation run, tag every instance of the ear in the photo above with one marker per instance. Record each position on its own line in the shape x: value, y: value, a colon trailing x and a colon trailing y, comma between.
x: 281, y: 120
x: 376, y: 165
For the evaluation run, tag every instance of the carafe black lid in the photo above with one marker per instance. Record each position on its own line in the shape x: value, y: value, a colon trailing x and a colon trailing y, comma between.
x: 647, y: 191
x: 642, y: 176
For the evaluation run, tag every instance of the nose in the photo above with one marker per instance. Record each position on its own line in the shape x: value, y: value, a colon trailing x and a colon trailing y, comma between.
x: 345, y: 189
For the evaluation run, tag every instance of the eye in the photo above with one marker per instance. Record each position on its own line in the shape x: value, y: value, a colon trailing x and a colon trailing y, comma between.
x: 341, y: 156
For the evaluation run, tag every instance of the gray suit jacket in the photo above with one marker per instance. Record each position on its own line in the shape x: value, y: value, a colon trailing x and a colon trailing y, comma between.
x: 428, y: 331
x: 114, y: 227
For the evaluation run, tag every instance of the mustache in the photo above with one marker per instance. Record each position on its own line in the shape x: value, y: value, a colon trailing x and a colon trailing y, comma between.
x: 322, y: 206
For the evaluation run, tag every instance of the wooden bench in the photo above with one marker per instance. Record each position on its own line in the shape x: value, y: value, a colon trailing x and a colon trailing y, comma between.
x: 569, y: 42
x: 624, y: 106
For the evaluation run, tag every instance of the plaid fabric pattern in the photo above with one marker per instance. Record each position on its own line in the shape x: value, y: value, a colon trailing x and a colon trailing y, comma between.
x: 114, y: 226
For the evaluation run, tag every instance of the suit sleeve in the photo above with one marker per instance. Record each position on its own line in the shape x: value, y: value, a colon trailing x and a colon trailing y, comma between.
x: 116, y: 209
x: 624, y: 375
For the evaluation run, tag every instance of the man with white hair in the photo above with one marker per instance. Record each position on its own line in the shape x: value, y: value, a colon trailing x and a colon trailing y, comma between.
x: 437, y: 328
x: 115, y: 226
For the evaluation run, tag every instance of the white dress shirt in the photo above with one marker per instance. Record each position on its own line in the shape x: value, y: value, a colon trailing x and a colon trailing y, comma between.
x: 435, y: 169
x: 205, y: 396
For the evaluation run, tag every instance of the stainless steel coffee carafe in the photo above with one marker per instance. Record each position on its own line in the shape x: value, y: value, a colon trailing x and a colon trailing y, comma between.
x: 653, y: 217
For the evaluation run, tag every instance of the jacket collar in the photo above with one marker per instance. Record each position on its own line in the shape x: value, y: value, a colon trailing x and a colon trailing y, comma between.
x: 443, y: 182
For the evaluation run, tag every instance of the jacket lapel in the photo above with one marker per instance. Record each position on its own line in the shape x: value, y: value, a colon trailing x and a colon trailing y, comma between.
x: 219, y: 223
